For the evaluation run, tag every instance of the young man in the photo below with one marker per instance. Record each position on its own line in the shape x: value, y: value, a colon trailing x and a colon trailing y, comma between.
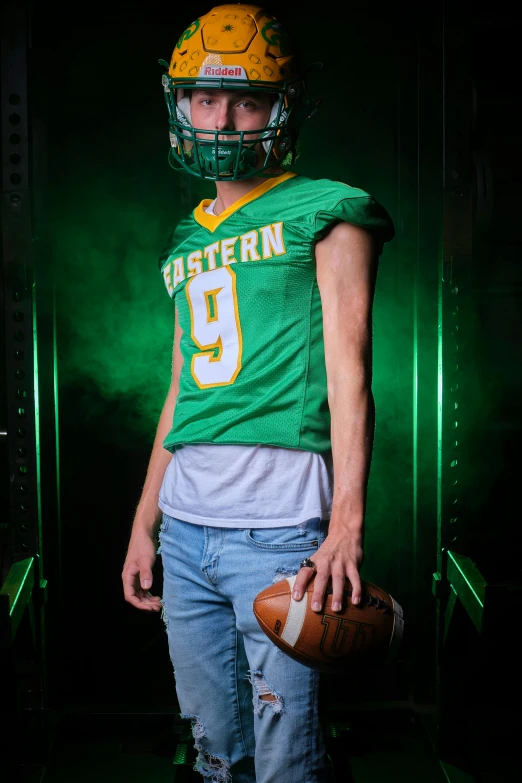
x: 263, y: 448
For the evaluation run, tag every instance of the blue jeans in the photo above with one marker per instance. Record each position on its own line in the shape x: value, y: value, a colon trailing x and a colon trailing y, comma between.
x: 224, y: 663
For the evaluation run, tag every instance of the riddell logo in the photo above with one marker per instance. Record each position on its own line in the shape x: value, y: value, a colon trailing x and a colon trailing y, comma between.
x: 223, y: 70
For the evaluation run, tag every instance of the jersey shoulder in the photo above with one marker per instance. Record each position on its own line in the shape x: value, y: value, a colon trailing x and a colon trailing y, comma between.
x: 327, y: 189
x: 320, y: 203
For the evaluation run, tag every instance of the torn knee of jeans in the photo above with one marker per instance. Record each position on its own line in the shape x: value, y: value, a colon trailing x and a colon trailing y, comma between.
x: 214, y: 768
x: 283, y: 572
x: 263, y: 694
x: 198, y: 730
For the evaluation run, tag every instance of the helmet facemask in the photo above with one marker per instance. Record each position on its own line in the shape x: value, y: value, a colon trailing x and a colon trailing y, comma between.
x: 239, y: 157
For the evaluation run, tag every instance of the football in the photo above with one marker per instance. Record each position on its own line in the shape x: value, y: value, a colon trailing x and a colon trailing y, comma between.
x: 368, y: 632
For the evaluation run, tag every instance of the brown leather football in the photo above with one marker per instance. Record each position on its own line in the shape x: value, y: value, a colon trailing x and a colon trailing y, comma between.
x: 368, y: 632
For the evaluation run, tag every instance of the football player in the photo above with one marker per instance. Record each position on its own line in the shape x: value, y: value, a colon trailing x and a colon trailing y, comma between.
x: 260, y: 464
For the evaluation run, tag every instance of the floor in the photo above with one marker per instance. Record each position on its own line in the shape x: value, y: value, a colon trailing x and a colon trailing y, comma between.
x: 368, y: 746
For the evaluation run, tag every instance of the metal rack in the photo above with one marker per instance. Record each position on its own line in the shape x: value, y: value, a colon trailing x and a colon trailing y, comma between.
x: 472, y: 681
x: 23, y: 587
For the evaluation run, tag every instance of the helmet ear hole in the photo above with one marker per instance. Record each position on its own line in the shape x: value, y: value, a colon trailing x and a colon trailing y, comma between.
x: 271, y: 121
x: 184, y: 106
x: 184, y: 119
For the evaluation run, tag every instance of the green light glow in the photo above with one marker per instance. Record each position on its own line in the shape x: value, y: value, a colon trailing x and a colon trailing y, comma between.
x: 439, y: 418
x: 37, y: 428
x: 115, y: 320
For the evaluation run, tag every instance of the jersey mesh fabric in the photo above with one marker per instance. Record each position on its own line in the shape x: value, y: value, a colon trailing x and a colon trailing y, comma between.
x: 245, y: 288
x: 242, y: 483
x: 259, y: 485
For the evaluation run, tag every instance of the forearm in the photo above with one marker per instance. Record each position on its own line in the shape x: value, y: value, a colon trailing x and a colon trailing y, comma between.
x: 352, y: 411
x: 148, y: 514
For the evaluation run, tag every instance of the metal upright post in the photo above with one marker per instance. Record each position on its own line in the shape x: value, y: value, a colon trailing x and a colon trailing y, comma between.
x: 455, y: 261
x: 22, y: 586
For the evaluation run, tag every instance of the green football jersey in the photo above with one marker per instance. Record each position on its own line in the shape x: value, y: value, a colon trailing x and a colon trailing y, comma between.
x: 244, y: 283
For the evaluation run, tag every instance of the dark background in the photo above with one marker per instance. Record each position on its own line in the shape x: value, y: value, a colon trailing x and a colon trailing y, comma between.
x: 111, y: 200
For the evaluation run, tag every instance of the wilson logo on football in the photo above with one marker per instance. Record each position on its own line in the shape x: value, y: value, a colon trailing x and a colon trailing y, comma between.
x: 341, y: 635
x: 329, y: 641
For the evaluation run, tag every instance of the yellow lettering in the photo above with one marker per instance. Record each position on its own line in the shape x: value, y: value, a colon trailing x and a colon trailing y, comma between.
x: 272, y: 245
x: 273, y: 240
x: 227, y: 250
x: 179, y: 276
x: 210, y: 253
x: 168, y: 280
x: 194, y: 263
x: 249, y: 246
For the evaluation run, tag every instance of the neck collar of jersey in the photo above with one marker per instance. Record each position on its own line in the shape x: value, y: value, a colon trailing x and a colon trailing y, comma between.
x: 213, y: 221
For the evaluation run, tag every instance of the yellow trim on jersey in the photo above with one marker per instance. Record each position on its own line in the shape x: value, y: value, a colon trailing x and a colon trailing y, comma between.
x: 213, y: 221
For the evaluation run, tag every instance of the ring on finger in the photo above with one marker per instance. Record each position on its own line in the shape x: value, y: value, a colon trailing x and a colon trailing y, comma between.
x: 307, y: 563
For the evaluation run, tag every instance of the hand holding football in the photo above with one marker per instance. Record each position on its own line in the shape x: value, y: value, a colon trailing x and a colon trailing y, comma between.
x: 327, y: 640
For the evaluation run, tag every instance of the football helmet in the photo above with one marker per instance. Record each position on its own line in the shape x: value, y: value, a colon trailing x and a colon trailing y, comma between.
x: 235, y: 47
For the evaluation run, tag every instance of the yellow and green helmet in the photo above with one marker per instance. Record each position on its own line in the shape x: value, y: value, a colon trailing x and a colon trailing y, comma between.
x: 235, y: 47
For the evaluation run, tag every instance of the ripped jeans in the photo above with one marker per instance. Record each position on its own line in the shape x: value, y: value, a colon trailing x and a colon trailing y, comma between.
x: 223, y: 661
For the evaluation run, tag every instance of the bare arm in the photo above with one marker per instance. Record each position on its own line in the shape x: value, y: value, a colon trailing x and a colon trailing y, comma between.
x: 141, y: 553
x: 346, y: 273
x: 347, y: 263
x: 148, y: 515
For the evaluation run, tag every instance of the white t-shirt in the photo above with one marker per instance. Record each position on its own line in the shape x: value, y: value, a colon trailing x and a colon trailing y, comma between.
x: 224, y: 485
